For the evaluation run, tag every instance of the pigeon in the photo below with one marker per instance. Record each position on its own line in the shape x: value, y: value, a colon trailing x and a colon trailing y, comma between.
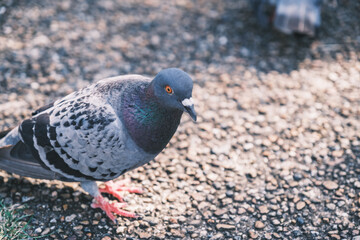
x: 289, y: 16
x: 100, y: 132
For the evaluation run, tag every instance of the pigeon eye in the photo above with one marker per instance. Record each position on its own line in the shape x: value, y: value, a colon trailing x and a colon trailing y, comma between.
x: 168, y: 89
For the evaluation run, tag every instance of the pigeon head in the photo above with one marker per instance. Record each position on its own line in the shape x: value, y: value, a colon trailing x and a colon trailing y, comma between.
x: 173, y: 89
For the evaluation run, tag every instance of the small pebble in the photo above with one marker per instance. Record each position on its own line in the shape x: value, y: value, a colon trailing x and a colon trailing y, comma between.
x: 259, y: 225
x: 222, y: 226
x: 300, y: 205
x: 70, y: 218
x: 330, y: 185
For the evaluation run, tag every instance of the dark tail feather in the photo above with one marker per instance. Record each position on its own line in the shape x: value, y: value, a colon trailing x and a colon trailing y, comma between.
x: 19, y: 160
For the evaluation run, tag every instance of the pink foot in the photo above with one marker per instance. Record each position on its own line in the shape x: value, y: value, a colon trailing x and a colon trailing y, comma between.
x: 114, y: 188
x: 110, y: 208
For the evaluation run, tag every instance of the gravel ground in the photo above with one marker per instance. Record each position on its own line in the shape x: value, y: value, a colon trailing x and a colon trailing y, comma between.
x: 276, y: 149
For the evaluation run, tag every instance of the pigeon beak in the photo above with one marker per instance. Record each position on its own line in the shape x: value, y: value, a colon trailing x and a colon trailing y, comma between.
x: 189, y: 107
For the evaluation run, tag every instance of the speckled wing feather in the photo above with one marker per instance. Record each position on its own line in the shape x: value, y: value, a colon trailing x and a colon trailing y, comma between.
x: 82, y: 136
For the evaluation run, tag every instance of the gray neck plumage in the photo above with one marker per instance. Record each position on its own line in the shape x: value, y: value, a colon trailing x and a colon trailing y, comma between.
x: 149, y: 124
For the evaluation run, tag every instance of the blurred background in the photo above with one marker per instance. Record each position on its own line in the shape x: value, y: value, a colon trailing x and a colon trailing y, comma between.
x: 276, y: 149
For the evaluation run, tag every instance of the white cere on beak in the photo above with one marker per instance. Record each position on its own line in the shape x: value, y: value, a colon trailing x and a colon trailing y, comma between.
x: 187, y: 102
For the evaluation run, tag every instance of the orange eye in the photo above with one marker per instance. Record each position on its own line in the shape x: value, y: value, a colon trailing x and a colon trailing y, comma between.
x: 168, y: 89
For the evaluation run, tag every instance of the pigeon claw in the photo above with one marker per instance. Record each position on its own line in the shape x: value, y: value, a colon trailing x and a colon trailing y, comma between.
x: 114, y: 188
x: 110, y: 208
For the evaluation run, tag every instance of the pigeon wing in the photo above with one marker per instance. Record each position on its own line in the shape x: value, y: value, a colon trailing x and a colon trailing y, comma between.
x: 80, y: 136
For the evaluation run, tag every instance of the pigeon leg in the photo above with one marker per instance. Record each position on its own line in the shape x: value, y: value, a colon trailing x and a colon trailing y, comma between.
x: 114, y: 188
x: 101, y: 202
x: 110, y: 208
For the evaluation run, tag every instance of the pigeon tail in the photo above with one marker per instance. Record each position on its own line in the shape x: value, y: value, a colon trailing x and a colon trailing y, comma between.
x: 9, y: 137
x: 19, y: 159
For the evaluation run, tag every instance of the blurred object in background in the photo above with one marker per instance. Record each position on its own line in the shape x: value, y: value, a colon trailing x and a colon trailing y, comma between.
x: 289, y: 16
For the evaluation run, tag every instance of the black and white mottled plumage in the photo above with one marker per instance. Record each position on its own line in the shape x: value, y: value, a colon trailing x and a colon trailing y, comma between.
x: 100, y: 132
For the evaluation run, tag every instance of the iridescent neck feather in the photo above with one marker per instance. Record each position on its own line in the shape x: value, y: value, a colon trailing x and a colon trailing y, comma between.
x: 149, y: 123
